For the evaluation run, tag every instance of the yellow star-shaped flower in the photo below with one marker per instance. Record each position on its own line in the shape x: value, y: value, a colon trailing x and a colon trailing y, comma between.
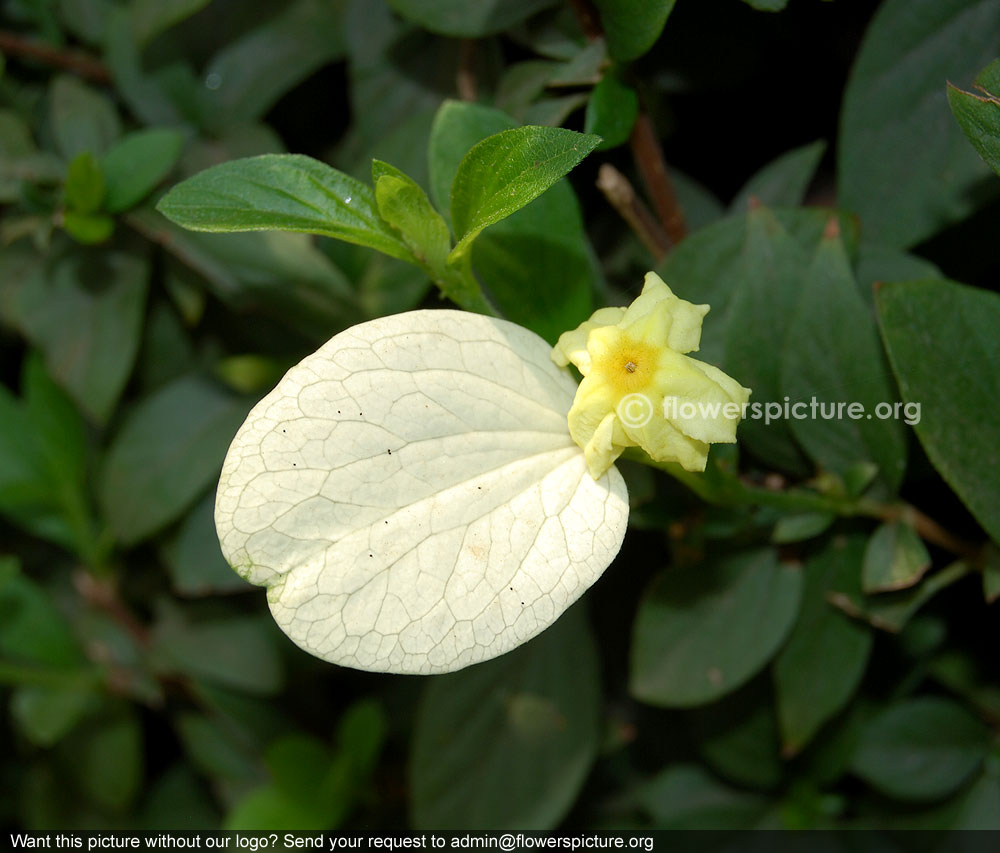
x: 640, y: 390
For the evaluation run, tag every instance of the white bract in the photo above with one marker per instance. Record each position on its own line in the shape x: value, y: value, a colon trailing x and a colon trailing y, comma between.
x: 412, y: 499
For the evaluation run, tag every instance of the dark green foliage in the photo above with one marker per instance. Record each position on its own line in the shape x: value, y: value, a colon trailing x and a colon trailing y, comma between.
x: 800, y: 637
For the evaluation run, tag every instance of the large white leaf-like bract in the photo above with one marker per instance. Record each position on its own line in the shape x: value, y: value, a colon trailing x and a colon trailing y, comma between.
x: 411, y: 497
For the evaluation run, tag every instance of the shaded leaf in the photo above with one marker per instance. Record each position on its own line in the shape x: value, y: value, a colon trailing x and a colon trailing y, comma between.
x: 462, y: 19
x: 895, y: 558
x: 144, y: 483
x: 832, y: 355
x: 921, y: 749
x: 243, y: 80
x: 902, y: 162
x: 507, y: 744
x: 137, y: 163
x: 782, y: 182
x: 611, y: 111
x: 821, y: 665
x: 685, y: 796
x: 632, y: 26
x: 703, y: 631
x: 956, y: 390
x: 81, y: 119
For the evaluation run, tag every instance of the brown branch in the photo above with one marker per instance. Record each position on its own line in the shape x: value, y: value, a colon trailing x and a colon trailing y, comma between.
x: 589, y: 18
x: 926, y: 527
x: 465, y: 80
x: 653, y: 168
x: 87, y: 66
x: 623, y: 198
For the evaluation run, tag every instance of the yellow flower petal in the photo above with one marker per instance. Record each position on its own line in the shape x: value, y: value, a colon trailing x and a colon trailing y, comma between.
x: 640, y: 390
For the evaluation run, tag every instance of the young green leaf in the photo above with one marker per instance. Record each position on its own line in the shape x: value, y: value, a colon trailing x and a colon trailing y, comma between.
x: 545, y: 242
x: 82, y: 119
x: 137, y: 163
x: 943, y: 346
x: 506, y: 171
x: 84, y: 184
x: 405, y: 206
x: 284, y: 192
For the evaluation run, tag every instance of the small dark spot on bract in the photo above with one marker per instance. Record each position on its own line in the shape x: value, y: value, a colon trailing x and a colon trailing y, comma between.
x: 371, y: 555
x: 284, y: 430
x: 389, y: 452
x: 522, y: 604
x: 387, y: 522
x: 293, y: 464
x: 361, y: 414
x: 338, y: 411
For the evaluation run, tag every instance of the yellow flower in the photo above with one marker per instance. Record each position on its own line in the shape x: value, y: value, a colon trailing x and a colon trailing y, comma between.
x: 640, y: 390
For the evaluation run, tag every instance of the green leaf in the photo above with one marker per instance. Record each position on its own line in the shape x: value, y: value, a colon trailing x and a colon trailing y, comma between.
x: 921, y: 749
x: 902, y: 162
x: 88, y: 228
x: 245, y: 79
x: 767, y: 5
x: 611, y: 111
x: 45, y: 715
x: 280, y: 273
x: 405, y: 206
x: 738, y: 737
x: 832, y: 355
x: 312, y: 787
x: 137, y: 163
x: 506, y: 171
x: 702, y: 631
x: 462, y: 19
x: 84, y: 183
x: 33, y: 630
x: 979, y: 115
x: 782, y: 182
x: 685, y: 796
x: 237, y: 651
x: 508, y: 743
x: 890, y: 611
x: 942, y: 343
x: 152, y: 17
x: 81, y: 119
x: 168, y: 450
x: 802, y: 526
x: 89, y: 336
x: 545, y: 242
x: 632, y: 26
x: 43, y: 455
x: 896, y: 558
x: 773, y: 266
x: 820, y: 667
x: 108, y: 761
x: 194, y: 559
x: 285, y: 192
x: 991, y: 574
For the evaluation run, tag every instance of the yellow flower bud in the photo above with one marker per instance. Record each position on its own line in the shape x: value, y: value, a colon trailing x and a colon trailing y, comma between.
x: 640, y: 390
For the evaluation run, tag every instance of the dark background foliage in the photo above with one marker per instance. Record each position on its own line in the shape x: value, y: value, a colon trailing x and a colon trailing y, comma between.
x: 800, y: 638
